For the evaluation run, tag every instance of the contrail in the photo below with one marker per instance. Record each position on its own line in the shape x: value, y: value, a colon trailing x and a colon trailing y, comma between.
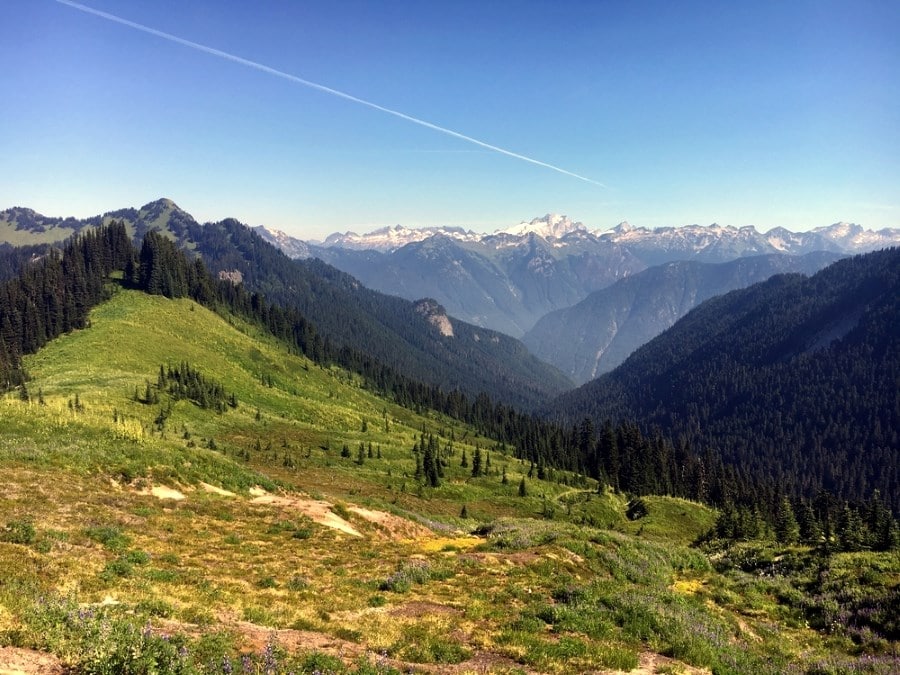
x: 314, y: 85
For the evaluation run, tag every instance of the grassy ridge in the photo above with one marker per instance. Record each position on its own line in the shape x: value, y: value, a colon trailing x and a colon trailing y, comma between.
x: 98, y: 567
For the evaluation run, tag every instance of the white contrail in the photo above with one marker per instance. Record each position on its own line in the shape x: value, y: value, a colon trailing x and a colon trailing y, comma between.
x: 313, y: 85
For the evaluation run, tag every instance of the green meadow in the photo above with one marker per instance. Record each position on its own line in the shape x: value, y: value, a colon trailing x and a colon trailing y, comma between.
x: 286, y: 530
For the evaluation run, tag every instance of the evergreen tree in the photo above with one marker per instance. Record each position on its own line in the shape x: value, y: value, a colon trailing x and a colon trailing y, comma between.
x: 476, y: 463
x: 787, y: 531
x: 429, y: 465
x: 809, y: 529
x: 850, y: 529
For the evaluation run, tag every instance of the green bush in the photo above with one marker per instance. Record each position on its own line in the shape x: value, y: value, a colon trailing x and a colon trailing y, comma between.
x: 109, y: 536
x: 18, y: 532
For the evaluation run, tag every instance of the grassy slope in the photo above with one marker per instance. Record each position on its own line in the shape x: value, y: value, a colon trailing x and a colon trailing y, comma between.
x: 544, y: 594
x: 16, y: 237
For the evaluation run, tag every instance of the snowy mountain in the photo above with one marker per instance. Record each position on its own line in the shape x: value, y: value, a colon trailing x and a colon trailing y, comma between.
x: 392, y: 238
x: 508, y: 279
x: 551, y: 226
x: 292, y: 247
x: 853, y: 238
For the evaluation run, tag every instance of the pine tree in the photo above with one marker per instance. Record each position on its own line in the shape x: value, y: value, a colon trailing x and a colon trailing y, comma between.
x: 476, y: 463
x: 810, y: 532
x: 429, y: 466
x: 787, y: 530
x: 850, y: 529
x: 522, y: 490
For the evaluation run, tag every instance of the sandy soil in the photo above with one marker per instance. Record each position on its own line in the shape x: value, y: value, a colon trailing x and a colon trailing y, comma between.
x: 217, y: 490
x: 393, y: 526
x: 317, y: 510
x: 162, y: 492
x: 15, y: 661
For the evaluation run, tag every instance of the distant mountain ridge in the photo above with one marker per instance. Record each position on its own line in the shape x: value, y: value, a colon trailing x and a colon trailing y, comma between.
x: 509, y: 279
x: 600, y: 332
x: 712, y: 242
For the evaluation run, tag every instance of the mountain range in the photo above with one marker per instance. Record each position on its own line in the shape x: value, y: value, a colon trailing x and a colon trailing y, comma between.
x: 600, y: 332
x: 415, y: 339
x: 510, y: 279
x: 189, y: 485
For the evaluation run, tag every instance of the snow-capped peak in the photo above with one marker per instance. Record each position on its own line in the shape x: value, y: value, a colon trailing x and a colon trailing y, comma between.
x: 389, y: 238
x: 552, y: 225
x: 292, y: 247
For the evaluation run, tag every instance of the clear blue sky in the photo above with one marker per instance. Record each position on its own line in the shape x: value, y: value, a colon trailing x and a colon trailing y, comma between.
x: 762, y: 113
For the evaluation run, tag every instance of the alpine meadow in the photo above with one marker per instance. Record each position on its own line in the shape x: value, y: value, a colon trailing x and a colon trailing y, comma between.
x: 196, y: 481
x: 529, y: 338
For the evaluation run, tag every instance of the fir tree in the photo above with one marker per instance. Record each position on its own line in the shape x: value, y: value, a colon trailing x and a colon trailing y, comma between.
x: 476, y: 463
x: 430, y: 464
x: 787, y: 530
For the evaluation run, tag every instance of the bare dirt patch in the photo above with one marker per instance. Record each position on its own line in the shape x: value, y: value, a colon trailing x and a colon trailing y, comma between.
x: 163, y: 492
x: 15, y: 661
x: 255, y: 638
x: 317, y: 510
x: 217, y: 490
x: 395, y: 527
x: 650, y: 663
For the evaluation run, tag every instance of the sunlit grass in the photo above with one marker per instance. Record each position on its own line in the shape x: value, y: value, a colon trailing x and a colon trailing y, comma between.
x: 558, y: 580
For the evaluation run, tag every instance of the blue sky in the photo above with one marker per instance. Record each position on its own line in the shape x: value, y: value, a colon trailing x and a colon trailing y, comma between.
x: 762, y: 113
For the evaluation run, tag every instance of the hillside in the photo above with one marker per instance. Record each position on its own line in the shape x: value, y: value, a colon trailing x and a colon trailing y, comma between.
x: 472, y: 359
x: 393, y: 330
x: 139, y: 531
x: 600, y: 332
x: 793, y: 378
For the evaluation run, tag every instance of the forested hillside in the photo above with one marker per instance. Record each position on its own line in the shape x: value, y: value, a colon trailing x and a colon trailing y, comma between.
x: 387, y: 328
x: 792, y: 381
x: 601, y: 331
x: 393, y: 331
